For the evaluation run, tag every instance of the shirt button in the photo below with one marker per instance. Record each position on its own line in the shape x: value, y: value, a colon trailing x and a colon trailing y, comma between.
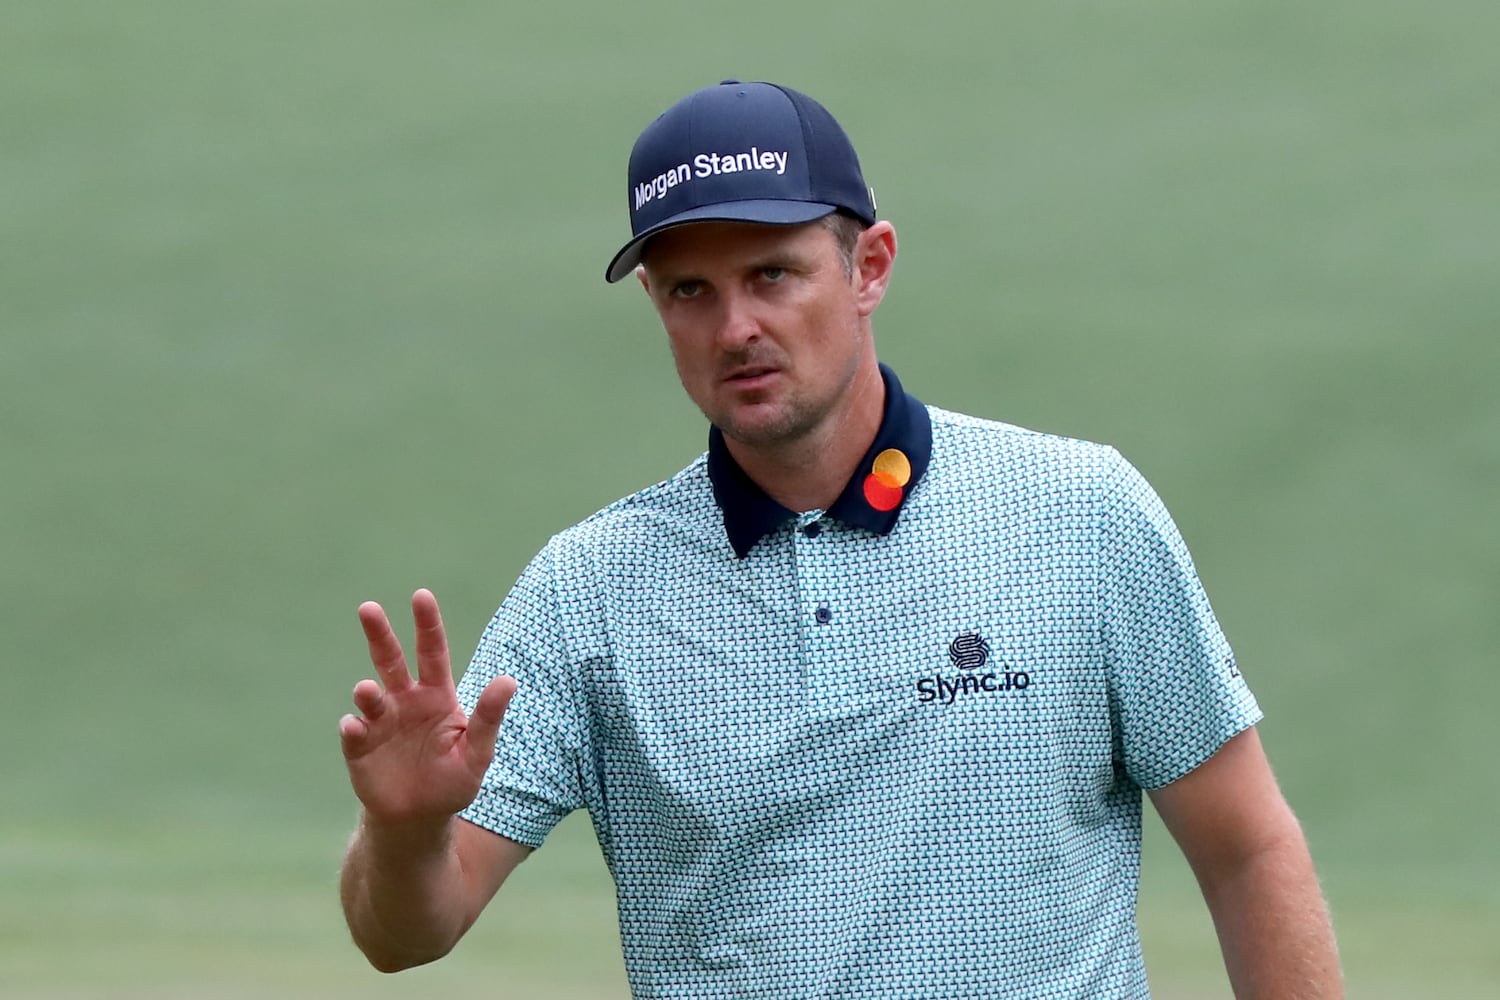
x: 823, y: 615
x: 813, y: 530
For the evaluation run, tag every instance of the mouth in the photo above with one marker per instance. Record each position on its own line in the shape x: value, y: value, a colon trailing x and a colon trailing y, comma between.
x: 750, y: 376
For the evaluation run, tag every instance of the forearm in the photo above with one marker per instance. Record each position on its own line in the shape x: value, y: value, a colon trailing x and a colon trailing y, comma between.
x: 1274, y: 927
x: 403, y: 893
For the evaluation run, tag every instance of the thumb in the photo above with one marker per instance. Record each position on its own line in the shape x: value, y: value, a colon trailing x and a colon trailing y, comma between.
x: 484, y: 723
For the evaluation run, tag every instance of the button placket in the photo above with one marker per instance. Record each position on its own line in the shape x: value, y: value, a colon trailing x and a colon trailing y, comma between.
x: 818, y: 544
x: 810, y: 553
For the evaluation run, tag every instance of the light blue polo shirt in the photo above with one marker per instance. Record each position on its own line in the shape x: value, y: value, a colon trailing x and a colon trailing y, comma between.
x: 891, y: 750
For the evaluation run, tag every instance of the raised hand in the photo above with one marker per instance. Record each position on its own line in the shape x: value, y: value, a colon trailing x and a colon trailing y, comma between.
x: 413, y: 756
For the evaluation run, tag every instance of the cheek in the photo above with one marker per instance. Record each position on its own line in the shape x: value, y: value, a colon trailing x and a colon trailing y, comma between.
x: 680, y: 343
x: 689, y: 357
x: 832, y: 328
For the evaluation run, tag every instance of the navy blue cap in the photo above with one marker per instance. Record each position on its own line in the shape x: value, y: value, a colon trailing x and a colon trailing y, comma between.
x: 740, y: 152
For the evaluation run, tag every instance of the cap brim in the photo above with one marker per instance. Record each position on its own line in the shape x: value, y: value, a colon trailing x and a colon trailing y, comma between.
x: 766, y: 212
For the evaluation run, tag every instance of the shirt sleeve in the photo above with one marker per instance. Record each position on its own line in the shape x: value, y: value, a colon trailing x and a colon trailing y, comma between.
x: 1176, y: 692
x: 533, y: 781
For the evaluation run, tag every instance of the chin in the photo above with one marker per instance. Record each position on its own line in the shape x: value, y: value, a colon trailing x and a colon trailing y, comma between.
x: 763, y: 429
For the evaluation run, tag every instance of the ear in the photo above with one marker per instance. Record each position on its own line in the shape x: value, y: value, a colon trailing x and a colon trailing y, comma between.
x: 874, y: 259
x: 640, y: 272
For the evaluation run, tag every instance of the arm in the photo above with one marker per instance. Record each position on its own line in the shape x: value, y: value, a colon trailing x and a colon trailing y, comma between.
x: 409, y: 895
x: 416, y: 877
x: 1252, y: 863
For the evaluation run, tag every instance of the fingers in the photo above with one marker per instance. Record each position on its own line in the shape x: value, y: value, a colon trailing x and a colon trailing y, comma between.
x: 433, y: 665
x: 385, y: 648
x: 355, y: 731
x: 353, y: 734
x: 484, y: 723
x: 369, y: 699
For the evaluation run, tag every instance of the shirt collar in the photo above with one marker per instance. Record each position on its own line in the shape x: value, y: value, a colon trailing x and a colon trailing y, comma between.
x: 874, y: 495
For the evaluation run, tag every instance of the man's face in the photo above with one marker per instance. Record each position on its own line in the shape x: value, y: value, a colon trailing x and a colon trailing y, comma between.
x: 767, y: 328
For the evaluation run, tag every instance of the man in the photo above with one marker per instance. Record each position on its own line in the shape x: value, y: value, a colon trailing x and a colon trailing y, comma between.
x: 862, y: 701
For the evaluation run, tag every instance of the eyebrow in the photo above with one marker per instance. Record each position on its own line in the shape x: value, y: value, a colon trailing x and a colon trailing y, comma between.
x: 787, y: 258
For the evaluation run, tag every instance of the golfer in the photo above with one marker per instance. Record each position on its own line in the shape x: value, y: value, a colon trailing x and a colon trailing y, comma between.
x: 862, y: 703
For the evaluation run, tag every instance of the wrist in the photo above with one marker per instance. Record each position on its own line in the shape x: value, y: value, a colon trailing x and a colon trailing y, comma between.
x: 407, y: 839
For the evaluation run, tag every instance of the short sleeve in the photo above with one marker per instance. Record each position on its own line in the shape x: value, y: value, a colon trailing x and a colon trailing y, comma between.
x: 1176, y: 692
x: 533, y: 781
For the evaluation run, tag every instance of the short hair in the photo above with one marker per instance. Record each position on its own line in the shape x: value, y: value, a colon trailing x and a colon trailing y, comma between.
x: 846, y: 230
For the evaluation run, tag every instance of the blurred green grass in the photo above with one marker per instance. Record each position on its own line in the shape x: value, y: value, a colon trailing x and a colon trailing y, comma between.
x: 301, y: 304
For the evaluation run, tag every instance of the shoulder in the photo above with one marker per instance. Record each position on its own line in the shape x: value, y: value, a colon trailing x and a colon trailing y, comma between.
x: 654, y: 533
x: 975, y: 450
x: 680, y: 510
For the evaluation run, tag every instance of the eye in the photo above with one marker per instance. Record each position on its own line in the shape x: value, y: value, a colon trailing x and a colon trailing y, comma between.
x: 687, y: 289
x: 773, y: 274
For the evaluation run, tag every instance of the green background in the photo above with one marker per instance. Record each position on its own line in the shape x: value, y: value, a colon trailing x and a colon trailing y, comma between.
x: 301, y: 304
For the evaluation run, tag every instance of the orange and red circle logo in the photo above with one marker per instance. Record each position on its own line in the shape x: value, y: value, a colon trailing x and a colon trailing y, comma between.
x: 887, y: 480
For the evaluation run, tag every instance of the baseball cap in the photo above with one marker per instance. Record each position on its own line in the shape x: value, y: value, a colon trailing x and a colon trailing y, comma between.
x: 740, y: 152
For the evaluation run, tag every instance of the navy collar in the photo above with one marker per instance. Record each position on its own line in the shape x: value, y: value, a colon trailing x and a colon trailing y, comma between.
x: 873, y: 497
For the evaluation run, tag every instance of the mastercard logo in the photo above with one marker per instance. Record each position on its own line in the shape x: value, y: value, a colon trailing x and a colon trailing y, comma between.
x: 886, y: 483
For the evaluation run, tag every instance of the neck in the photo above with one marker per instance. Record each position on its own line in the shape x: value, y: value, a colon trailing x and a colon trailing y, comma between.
x: 810, y: 472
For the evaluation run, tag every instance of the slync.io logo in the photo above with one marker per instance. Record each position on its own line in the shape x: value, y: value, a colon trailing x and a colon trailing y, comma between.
x: 970, y: 655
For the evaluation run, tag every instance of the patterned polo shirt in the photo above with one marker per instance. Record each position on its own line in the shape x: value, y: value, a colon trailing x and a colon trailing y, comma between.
x: 894, y: 749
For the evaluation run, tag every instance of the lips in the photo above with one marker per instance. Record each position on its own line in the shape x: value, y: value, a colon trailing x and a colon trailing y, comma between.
x: 749, y: 371
x: 751, y: 376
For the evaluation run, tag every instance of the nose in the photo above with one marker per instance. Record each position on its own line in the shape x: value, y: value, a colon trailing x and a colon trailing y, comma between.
x: 738, y: 323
